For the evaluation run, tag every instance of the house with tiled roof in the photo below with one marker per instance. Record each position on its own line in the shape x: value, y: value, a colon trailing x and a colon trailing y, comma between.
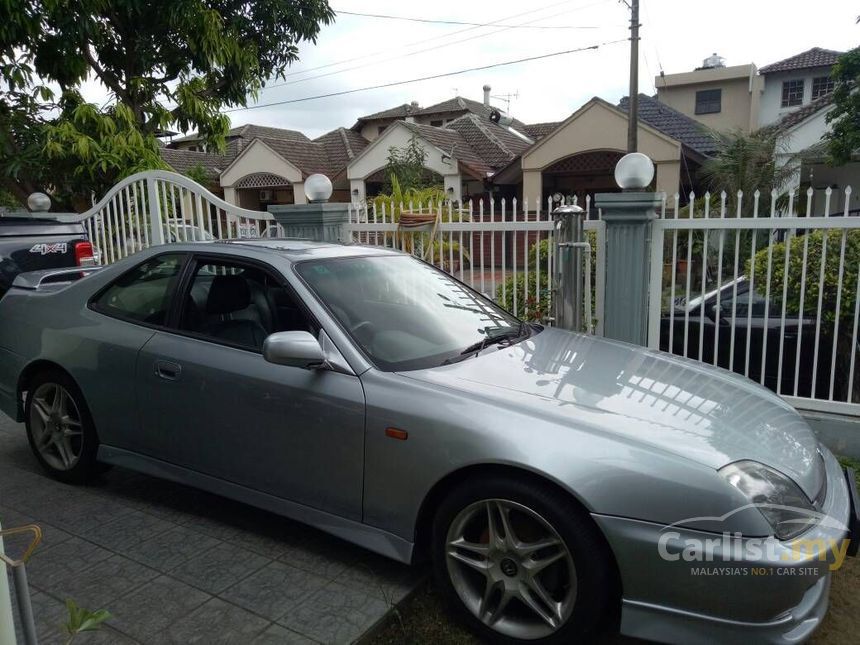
x: 438, y: 115
x: 262, y: 165
x: 466, y: 153
x: 577, y: 156
x: 794, y: 82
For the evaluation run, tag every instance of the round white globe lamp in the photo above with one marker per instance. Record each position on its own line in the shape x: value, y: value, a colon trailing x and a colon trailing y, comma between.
x: 318, y: 188
x: 39, y: 203
x: 634, y: 171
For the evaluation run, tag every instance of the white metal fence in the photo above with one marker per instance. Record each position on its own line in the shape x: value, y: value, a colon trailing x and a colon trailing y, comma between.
x: 747, y: 283
x: 502, y: 249
x: 156, y: 206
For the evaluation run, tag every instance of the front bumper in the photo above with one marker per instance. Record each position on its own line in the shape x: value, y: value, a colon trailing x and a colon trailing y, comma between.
x: 727, y: 592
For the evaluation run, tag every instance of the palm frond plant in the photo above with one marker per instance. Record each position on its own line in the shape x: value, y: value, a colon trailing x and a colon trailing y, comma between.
x: 748, y: 162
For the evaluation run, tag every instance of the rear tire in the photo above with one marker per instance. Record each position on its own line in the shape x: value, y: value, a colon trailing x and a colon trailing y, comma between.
x: 60, y: 429
x: 520, y: 562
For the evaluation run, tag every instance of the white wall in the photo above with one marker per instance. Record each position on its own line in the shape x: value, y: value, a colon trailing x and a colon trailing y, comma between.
x: 770, y: 109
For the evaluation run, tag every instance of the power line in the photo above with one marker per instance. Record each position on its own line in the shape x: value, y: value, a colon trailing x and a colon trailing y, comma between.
x: 460, y: 22
x: 408, y: 54
x: 444, y: 36
x: 428, y: 78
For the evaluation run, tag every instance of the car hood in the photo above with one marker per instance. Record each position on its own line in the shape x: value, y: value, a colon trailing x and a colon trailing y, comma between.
x: 696, y: 411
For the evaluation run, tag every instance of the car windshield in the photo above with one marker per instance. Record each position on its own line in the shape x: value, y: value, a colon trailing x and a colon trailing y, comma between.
x: 404, y: 313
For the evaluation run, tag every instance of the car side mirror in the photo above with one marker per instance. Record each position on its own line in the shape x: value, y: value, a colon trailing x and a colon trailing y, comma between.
x: 294, y: 348
x: 713, y: 312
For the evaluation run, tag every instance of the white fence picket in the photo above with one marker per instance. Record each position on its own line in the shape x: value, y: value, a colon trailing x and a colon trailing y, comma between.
x: 799, y: 342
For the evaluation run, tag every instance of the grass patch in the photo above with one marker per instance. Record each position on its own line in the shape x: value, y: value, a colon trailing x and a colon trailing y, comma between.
x: 852, y: 463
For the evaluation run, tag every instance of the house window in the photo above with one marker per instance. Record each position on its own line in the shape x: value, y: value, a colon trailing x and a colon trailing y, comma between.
x: 821, y: 86
x: 709, y: 101
x: 437, y: 123
x: 792, y: 93
x: 380, y: 129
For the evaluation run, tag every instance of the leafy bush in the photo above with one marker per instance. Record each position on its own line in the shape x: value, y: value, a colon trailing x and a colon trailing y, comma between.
x: 821, y: 244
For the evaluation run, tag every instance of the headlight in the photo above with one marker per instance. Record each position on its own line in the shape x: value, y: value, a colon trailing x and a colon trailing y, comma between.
x: 784, y: 505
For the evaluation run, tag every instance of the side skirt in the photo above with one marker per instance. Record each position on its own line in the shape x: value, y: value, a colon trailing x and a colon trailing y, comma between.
x: 369, y: 537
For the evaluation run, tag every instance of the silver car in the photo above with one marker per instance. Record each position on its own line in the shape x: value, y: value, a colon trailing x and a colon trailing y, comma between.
x: 556, y: 481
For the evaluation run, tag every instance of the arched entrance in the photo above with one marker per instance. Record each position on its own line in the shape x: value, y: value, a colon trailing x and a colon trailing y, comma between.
x: 581, y: 174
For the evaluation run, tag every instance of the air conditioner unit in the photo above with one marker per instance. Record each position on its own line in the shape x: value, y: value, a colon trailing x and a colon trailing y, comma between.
x: 265, y: 195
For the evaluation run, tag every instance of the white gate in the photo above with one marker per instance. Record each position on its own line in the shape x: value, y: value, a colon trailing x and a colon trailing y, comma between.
x: 155, y: 207
x: 746, y: 283
x: 502, y: 250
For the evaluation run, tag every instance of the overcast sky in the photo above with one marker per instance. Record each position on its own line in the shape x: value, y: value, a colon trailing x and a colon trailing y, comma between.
x: 356, y: 52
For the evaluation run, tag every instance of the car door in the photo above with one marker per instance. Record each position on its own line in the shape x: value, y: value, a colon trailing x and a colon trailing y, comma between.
x: 224, y: 411
x: 125, y: 314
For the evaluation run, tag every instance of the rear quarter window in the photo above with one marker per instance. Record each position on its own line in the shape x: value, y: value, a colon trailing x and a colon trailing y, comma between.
x: 143, y: 293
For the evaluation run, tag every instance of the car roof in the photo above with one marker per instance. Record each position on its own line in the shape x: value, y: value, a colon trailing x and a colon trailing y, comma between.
x: 292, y: 249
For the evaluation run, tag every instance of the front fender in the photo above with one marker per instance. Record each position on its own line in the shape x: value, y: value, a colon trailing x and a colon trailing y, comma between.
x: 449, y: 430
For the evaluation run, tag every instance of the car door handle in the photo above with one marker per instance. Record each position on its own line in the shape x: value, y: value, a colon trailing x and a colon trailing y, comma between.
x: 168, y: 370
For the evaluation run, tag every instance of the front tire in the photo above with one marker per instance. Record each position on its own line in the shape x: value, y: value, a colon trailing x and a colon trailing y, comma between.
x: 60, y: 429
x: 522, y: 563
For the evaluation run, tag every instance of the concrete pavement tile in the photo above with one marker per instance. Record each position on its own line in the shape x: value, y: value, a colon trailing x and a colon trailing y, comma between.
x: 101, y: 583
x: 219, y: 567
x: 154, y: 606
x: 214, y: 622
x: 166, y: 551
x: 274, y: 589
x: 277, y: 635
x: 335, y: 614
x: 62, y: 561
x: 322, y: 554
x: 384, y: 578
x: 128, y: 530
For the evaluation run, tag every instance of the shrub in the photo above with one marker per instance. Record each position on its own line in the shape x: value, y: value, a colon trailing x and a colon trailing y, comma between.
x: 821, y: 244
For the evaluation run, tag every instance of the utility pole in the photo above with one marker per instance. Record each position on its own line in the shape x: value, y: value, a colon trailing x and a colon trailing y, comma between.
x: 633, y: 107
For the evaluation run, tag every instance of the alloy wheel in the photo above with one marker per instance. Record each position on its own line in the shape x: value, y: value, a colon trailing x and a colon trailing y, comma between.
x: 55, y: 424
x: 511, y: 569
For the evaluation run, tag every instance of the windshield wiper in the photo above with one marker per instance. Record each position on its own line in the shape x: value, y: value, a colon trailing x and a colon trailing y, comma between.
x: 509, y: 335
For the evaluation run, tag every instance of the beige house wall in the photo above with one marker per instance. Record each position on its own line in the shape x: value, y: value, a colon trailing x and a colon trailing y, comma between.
x: 258, y: 157
x: 600, y: 126
x: 741, y: 95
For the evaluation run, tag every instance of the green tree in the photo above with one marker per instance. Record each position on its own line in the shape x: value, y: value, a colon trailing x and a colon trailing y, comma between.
x: 198, y: 173
x: 167, y: 63
x: 843, y: 139
x: 406, y: 165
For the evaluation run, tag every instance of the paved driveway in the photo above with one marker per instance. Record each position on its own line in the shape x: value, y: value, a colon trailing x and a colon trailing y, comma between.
x: 176, y: 565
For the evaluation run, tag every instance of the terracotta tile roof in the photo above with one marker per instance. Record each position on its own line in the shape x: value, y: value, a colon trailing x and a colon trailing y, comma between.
x: 670, y: 122
x: 182, y: 160
x: 540, y: 130
x: 815, y: 57
x: 454, y: 144
x: 250, y: 131
x: 340, y: 146
x: 494, y: 144
x: 460, y: 104
x: 398, y: 112
x: 307, y: 156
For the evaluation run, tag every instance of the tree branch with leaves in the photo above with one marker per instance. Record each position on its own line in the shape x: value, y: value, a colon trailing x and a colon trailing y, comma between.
x: 168, y: 64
